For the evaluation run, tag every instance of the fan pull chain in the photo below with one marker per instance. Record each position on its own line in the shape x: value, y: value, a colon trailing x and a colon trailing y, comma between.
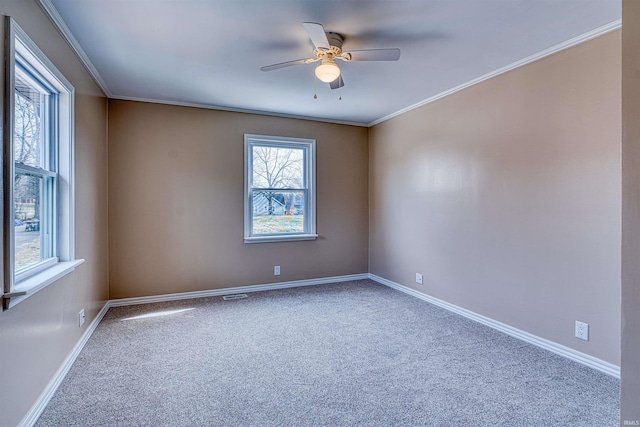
x: 315, y: 89
x: 340, y: 97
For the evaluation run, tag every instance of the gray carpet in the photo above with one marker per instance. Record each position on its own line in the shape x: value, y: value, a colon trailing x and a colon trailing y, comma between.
x: 354, y: 353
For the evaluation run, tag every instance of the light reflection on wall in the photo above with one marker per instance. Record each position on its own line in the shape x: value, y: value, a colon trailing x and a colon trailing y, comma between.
x: 436, y: 170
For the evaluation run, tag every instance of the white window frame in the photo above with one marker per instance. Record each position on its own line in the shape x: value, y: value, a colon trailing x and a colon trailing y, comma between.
x: 309, y: 147
x: 18, y: 287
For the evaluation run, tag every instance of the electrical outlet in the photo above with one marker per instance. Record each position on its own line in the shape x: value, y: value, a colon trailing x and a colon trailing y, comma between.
x: 276, y: 270
x: 582, y: 330
x: 81, y: 318
x: 419, y: 278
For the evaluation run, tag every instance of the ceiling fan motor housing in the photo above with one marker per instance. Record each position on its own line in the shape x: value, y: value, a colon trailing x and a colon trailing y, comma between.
x: 335, y: 39
x: 334, y: 51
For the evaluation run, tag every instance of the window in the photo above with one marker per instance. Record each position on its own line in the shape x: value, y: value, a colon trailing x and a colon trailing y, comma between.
x: 279, y: 198
x: 38, y: 166
x: 35, y: 176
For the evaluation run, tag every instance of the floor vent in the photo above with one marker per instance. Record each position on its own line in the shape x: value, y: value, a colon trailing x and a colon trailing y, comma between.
x: 235, y: 296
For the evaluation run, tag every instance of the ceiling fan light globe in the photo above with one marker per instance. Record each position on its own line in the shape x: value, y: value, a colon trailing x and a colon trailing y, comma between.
x: 327, y: 72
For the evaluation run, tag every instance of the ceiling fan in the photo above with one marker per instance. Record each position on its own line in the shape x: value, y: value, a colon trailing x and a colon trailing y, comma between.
x: 328, y: 48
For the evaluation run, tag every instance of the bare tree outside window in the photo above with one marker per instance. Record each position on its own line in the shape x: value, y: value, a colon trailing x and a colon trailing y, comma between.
x: 278, y: 174
x: 276, y: 168
x: 27, y: 188
x: 27, y: 137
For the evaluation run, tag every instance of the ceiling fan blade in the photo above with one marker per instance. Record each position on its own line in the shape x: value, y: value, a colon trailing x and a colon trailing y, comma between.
x: 286, y: 64
x: 374, y: 54
x: 337, y: 83
x: 316, y: 34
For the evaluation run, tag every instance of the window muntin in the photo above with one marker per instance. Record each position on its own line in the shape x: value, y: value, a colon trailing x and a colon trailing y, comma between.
x: 280, y: 189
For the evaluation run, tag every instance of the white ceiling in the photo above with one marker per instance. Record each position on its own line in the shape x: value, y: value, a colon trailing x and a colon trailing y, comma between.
x: 209, y: 52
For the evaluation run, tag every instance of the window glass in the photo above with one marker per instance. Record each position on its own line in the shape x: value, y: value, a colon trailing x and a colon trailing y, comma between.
x: 34, y: 178
x: 28, y: 121
x: 277, y: 167
x: 278, y: 212
x: 28, y: 212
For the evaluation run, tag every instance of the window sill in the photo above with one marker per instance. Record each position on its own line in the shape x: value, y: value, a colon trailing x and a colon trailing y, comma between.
x: 39, y: 281
x: 289, y: 238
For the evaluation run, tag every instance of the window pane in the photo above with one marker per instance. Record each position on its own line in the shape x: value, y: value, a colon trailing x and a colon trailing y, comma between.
x: 27, y: 224
x: 278, y: 212
x: 275, y: 167
x: 29, y: 105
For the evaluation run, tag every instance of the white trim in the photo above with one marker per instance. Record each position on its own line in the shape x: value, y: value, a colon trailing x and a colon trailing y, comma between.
x: 41, y: 403
x: 38, y: 281
x: 237, y: 110
x: 569, y: 353
x: 55, y: 17
x: 62, y: 140
x: 46, y: 395
x: 535, y: 57
x: 65, y: 141
x: 39, y: 61
x: 44, y: 398
x: 34, y: 269
x: 57, y: 20
x: 280, y: 238
x: 235, y: 290
x: 589, y: 35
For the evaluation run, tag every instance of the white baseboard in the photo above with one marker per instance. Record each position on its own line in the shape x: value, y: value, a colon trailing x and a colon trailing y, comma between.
x: 569, y: 353
x: 50, y: 389
x: 236, y: 290
x: 44, y: 398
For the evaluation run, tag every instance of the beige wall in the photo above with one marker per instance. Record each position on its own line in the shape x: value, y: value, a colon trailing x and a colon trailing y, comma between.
x: 39, y: 333
x: 176, y: 201
x: 506, y: 196
x: 630, y: 382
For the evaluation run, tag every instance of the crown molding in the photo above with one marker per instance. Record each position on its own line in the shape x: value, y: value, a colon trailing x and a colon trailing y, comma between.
x: 62, y: 27
x: 529, y: 59
x: 57, y: 20
x: 238, y: 110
